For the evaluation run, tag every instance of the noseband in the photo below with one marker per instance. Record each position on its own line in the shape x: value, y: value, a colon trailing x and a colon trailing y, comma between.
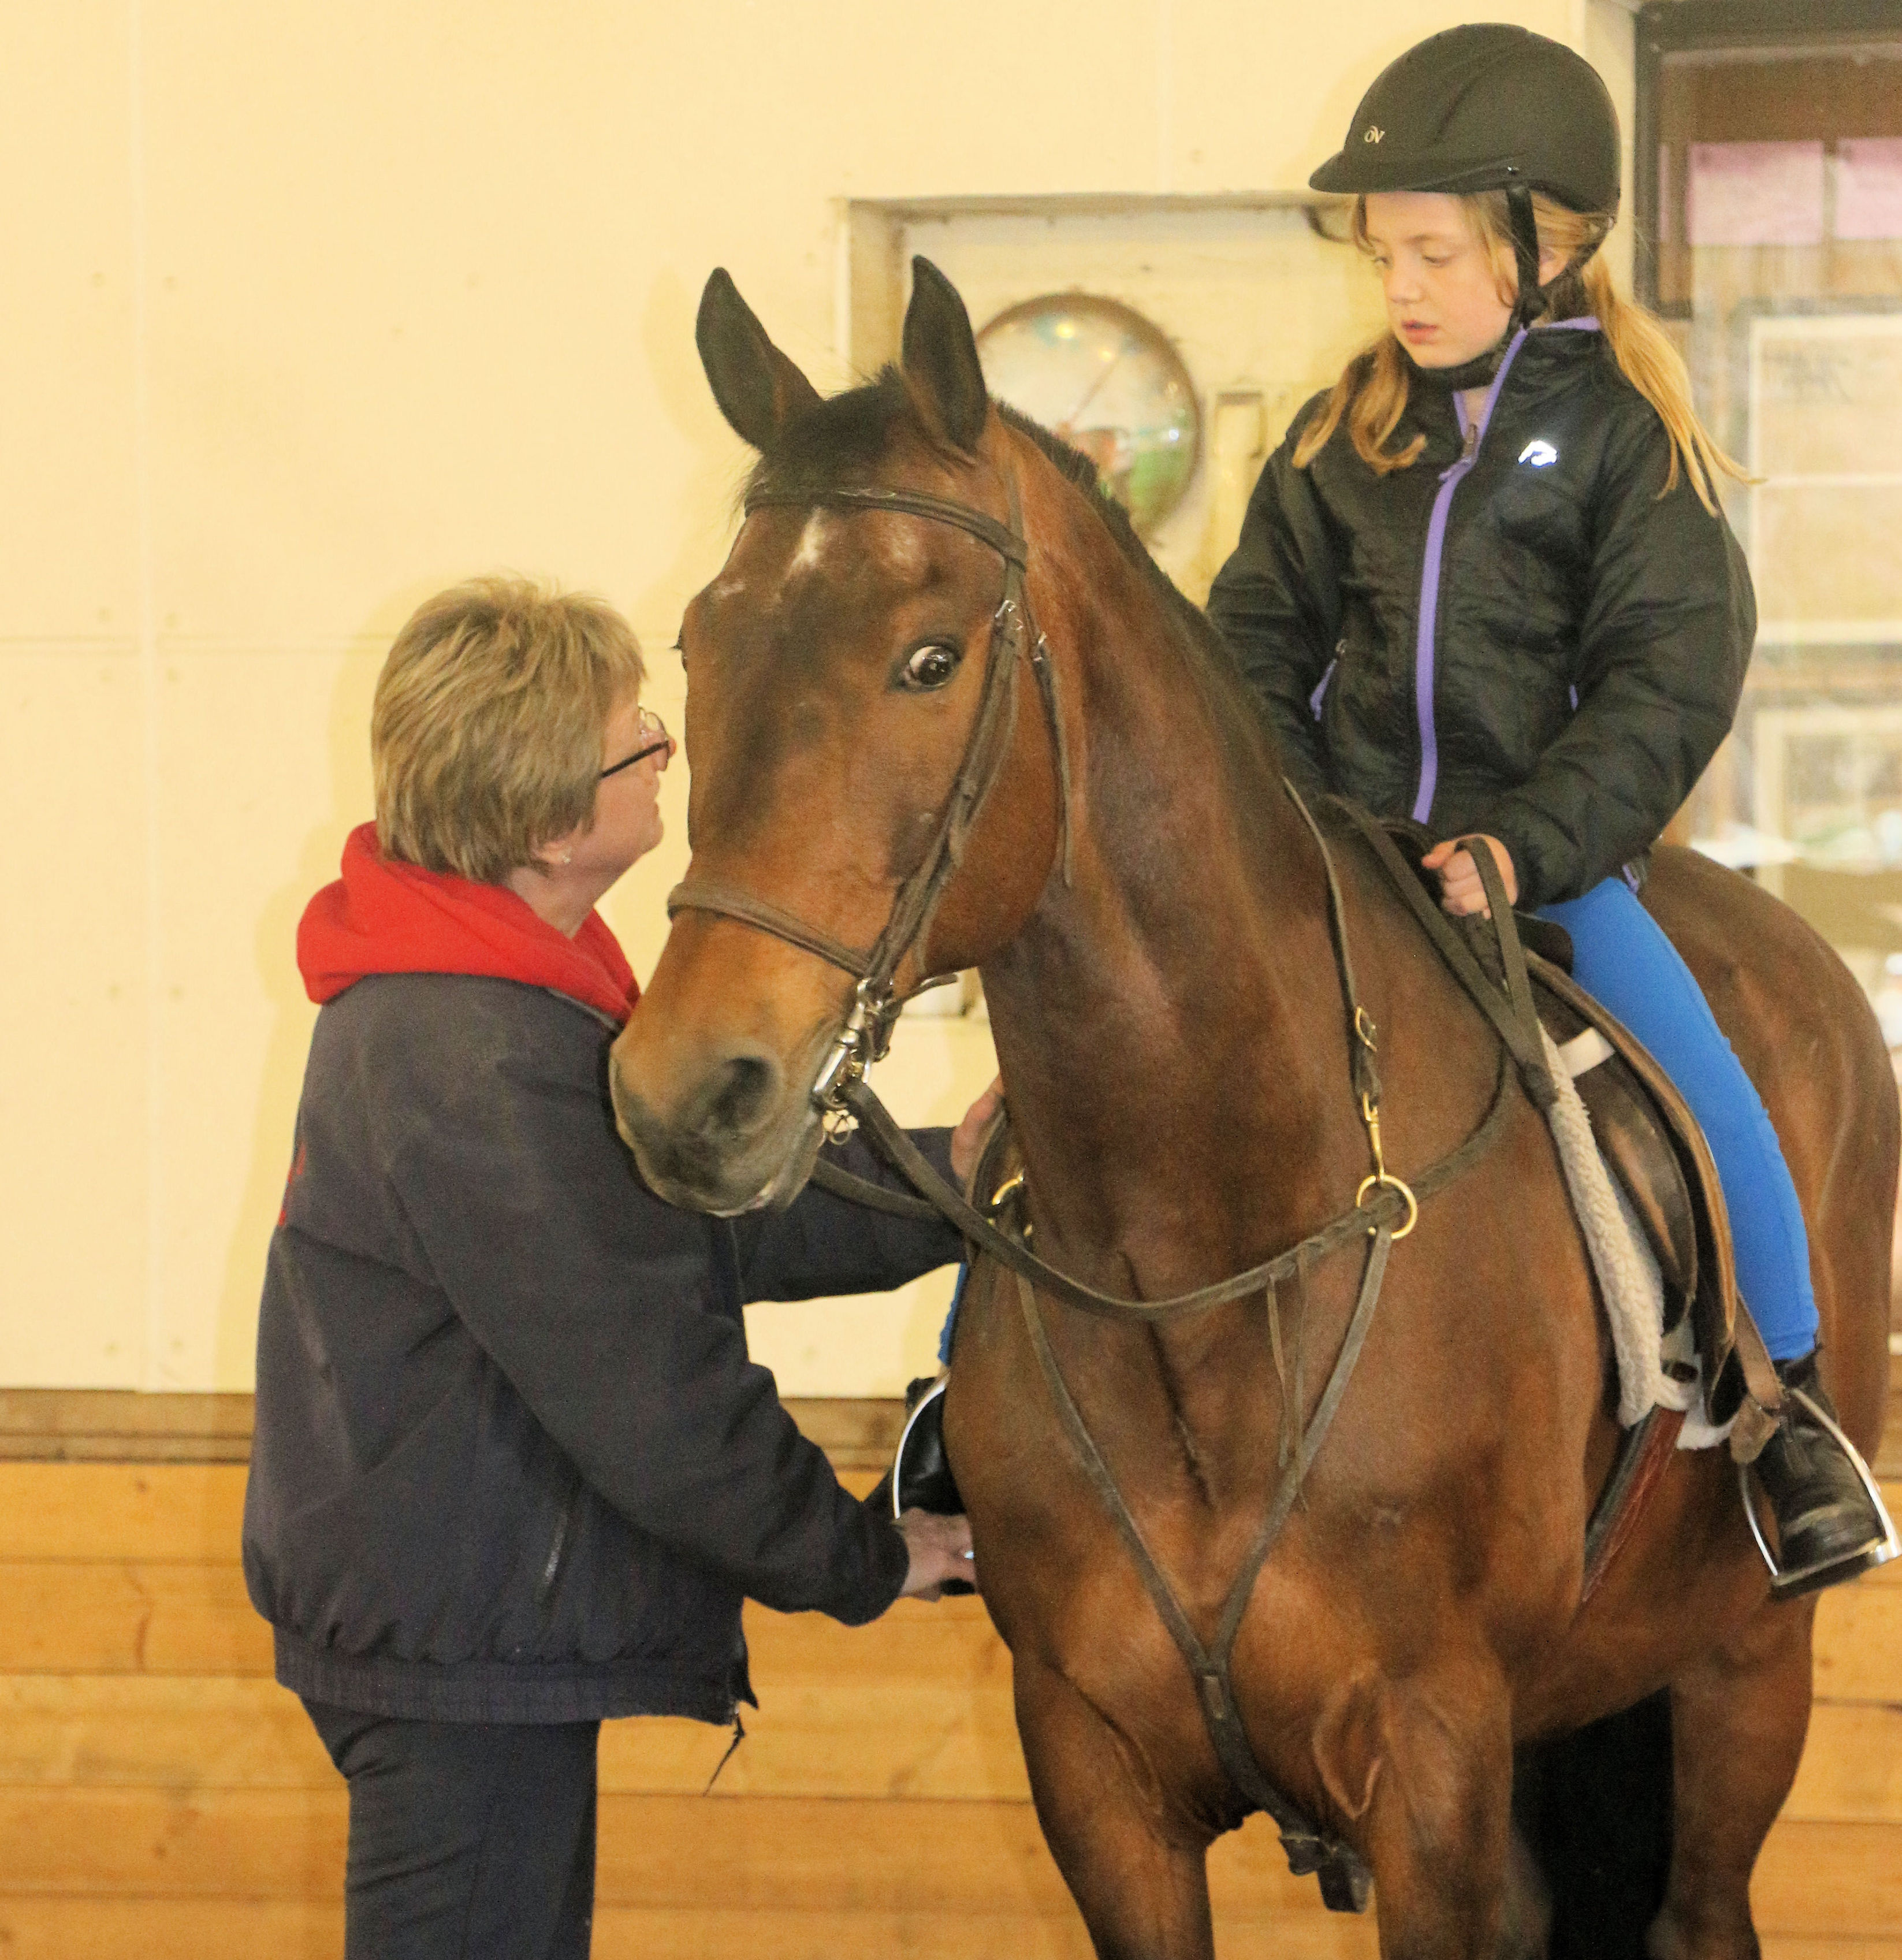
x: 866, y: 1033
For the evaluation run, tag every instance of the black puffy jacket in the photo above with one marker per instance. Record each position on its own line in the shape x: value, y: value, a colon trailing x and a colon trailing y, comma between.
x: 511, y: 1461
x: 1522, y: 638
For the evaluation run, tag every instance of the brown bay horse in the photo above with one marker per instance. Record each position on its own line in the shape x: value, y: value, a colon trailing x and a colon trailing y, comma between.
x: 1149, y: 914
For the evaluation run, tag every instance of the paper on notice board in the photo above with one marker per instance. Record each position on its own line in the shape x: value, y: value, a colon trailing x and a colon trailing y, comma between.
x: 1869, y: 187
x: 1755, y: 194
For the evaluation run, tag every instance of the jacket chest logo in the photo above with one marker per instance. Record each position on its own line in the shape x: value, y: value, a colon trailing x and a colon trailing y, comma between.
x: 1374, y: 135
x: 1539, y: 454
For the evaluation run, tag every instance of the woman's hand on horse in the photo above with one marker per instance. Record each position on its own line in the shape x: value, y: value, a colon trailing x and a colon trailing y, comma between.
x: 967, y: 1138
x: 940, y: 1549
x: 1460, y: 889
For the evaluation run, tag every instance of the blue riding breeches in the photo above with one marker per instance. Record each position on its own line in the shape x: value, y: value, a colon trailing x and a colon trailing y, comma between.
x: 1622, y: 957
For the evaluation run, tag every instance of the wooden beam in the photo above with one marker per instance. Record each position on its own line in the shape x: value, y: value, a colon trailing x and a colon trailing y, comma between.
x: 774, y: 1856
x: 124, y: 1426
x: 158, y: 1928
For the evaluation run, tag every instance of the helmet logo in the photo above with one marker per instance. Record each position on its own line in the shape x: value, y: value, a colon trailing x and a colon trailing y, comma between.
x: 1374, y: 134
x: 1539, y: 454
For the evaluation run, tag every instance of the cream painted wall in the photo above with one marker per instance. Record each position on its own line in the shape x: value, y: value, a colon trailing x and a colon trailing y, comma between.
x: 314, y: 308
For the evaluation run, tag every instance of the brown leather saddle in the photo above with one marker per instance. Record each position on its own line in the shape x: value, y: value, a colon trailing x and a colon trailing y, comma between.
x: 1650, y: 1140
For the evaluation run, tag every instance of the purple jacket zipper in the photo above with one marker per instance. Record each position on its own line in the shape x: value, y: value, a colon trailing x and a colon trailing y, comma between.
x: 1450, y: 479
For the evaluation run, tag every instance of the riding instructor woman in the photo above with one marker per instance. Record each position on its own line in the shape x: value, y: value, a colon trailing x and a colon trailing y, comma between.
x: 513, y: 1471
x: 1485, y: 583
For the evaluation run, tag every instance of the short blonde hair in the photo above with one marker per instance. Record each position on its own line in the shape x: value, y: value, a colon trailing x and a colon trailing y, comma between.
x: 486, y: 733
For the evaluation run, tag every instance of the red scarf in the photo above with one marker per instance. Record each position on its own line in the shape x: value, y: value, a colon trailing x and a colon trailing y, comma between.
x: 383, y: 916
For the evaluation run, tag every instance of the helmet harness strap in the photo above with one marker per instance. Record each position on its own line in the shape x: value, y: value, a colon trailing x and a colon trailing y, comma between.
x: 1525, y: 249
x: 1533, y: 299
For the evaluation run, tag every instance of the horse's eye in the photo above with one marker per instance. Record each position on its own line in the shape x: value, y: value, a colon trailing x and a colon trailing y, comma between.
x: 930, y: 666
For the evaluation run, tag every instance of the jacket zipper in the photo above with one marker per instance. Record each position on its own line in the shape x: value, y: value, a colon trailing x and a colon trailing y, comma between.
x: 1431, y: 571
x: 1316, y: 700
x: 557, y: 1550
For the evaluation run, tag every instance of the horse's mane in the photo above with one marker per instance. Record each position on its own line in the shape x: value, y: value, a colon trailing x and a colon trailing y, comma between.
x: 843, y: 441
x: 1078, y: 469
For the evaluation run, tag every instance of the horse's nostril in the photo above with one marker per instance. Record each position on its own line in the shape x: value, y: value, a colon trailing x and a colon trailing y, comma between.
x: 744, y: 1091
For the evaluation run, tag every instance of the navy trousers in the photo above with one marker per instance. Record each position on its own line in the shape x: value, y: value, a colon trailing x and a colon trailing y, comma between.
x: 468, y: 1841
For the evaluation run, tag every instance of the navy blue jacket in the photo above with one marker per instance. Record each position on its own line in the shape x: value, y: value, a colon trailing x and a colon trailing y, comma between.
x: 511, y: 1461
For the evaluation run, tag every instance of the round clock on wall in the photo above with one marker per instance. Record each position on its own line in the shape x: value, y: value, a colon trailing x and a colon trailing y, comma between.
x: 1107, y: 381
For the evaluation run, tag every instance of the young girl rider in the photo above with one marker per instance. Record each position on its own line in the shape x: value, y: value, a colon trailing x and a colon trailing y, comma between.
x: 1485, y: 582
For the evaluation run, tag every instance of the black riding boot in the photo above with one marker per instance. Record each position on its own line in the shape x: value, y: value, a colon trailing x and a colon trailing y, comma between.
x: 920, y: 1472
x: 1829, y: 1527
x: 920, y: 1478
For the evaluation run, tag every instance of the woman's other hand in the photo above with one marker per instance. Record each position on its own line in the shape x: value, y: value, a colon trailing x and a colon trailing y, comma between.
x: 1460, y: 889
x: 940, y: 1549
x: 966, y: 1138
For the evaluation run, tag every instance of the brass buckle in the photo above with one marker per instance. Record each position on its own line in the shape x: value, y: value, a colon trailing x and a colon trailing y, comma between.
x: 1380, y: 1176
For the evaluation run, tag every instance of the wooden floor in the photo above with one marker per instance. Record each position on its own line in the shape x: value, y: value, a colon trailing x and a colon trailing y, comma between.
x: 161, y: 1799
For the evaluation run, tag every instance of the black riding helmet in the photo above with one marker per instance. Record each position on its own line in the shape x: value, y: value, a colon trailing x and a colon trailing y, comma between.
x: 1486, y: 107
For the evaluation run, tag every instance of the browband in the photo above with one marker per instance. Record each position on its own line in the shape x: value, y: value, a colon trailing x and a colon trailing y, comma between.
x: 1000, y: 538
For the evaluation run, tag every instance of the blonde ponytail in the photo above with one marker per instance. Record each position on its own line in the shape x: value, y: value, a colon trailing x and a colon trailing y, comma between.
x: 1654, y: 367
x: 1373, y: 390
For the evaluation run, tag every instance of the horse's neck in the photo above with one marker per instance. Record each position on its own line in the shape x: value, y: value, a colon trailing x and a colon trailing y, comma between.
x: 1170, y: 1025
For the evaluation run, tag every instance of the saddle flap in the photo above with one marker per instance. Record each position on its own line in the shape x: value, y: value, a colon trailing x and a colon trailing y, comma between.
x: 1645, y: 1117
x: 1630, y: 1133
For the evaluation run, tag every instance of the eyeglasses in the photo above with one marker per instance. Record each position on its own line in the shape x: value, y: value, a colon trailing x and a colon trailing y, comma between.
x: 654, y: 741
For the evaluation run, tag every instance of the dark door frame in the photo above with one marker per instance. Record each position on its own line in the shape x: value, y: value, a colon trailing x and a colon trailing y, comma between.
x: 1675, y: 27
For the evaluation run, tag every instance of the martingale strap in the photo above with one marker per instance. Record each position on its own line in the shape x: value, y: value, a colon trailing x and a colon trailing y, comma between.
x: 1385, y: 1209
x: 1344, y: 1877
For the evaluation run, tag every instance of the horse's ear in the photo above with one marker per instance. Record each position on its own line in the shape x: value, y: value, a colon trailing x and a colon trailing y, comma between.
x: 759, y: 389
x: 941, y: 357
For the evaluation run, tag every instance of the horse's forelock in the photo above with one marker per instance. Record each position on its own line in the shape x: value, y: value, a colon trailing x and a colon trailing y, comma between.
x: 845, y: 440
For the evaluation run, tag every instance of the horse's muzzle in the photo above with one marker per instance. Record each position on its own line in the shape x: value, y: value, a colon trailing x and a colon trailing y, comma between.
x: 728, y: 1142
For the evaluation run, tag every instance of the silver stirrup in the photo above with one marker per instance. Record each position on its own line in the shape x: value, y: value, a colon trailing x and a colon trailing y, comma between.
x: 1883, y: 1546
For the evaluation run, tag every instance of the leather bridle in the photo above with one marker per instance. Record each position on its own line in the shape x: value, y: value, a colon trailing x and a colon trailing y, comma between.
x: 865, y: 1033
